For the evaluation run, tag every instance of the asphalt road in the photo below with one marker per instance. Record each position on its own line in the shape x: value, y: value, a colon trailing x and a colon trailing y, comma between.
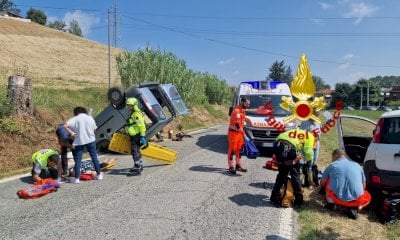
x: 196, y: 198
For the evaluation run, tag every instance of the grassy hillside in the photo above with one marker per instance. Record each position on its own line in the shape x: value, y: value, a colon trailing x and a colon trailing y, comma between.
x: 51, y: 54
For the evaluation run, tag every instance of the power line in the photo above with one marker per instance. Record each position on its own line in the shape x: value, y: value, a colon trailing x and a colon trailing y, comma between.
x: 256, y: 18
x: 272, y: 34
x: 59, y: 8
x: 255, y: 49
x: 213, y: 17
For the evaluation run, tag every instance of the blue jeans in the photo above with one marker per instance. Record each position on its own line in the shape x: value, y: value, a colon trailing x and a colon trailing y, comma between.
x: 316, y: 152
x: 78, y: 153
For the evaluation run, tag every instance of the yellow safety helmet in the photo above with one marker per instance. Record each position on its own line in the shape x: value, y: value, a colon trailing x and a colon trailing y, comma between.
x: 132, y: 101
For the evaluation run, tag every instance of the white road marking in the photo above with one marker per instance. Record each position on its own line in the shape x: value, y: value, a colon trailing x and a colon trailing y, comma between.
x: 286, y: 223
x: 14, y: 177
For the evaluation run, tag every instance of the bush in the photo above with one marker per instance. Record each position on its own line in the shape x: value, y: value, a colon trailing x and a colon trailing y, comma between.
x: 150, y: 65
x: 10, y: 126
x: 5, y: 108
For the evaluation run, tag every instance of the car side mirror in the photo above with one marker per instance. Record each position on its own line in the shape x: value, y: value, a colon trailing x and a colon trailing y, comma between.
x: 230, y: 110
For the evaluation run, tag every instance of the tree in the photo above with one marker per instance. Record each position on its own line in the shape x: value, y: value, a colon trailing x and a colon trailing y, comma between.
x: 342, y: 93
x: 36, y: 16
x: 278, y: 71
x: 74, y: 28
x: 7, y: 5
x: 374, y: 93
x: 320, y: 83
x: 57, y: 24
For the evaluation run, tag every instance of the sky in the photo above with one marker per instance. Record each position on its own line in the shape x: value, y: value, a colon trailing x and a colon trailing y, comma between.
x: 344, y: 40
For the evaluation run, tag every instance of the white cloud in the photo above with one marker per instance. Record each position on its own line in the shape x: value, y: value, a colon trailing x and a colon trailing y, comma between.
x: 236, y: 72
x: 343, y: 66
x: 227, y: 61
x: 349, y: 56
x: 361, y: 10
x: 85, y: 20
x: 317, y: 21
x: 325, y: 6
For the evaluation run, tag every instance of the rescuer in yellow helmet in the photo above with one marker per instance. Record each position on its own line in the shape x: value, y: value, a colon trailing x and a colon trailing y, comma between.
x: 136, y: 129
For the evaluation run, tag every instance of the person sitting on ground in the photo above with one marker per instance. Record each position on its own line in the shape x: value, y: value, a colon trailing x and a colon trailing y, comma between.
x: 344, y: 181
x: 87, y: 167
x: 46, y: 164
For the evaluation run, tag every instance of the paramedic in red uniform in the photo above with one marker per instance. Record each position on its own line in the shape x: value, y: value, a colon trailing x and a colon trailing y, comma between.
x: 237, y: 136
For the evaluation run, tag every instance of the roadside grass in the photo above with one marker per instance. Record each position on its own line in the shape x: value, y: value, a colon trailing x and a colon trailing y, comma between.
x: 61, y: 99
x: 319, y: 223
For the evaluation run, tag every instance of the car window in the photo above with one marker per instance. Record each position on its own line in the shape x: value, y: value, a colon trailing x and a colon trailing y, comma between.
x: 259, y: 100
x: 175, y: 98
x: 390, y: 131
x: 357, y: 127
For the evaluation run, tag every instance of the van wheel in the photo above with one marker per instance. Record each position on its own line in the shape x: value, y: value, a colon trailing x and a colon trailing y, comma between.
x: 116, y: 96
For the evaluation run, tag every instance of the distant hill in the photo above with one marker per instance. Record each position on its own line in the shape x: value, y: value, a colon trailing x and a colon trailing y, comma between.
x: 49, y: 53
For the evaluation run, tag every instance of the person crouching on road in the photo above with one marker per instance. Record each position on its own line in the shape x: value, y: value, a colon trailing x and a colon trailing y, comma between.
x: 287, y: 149
x: 46, y: 164
x: 237, y: 136
x: 82, y: 127
x: 136, y: 129
x: 344, y: 181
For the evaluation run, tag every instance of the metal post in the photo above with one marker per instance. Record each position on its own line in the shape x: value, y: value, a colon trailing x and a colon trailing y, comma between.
x: 361, y: 98
x: 109, y: 49
x: 368, y: 95
x: 115, y: 24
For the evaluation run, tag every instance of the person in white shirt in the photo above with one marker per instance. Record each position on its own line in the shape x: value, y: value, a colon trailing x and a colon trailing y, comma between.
x: 82, y: 127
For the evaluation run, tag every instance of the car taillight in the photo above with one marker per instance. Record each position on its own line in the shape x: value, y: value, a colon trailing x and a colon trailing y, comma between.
x: 375, y: 179
x: 377, y: 132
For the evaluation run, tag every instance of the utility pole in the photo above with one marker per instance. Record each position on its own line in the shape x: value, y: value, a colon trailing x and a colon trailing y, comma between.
x: 368, y: 95
x: 109, y: 49
x: 116, y: 32
x: 361, y: 98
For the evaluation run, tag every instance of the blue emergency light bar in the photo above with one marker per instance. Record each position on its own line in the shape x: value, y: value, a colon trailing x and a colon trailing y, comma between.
x: 263, y: 84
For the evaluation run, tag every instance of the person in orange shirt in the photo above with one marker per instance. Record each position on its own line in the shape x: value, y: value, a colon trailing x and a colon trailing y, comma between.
x: 237, y: 136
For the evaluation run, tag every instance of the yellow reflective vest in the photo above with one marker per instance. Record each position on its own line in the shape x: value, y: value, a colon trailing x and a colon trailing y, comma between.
x: 41, y: 157
x: 136, y: 124
x: 302, y: 140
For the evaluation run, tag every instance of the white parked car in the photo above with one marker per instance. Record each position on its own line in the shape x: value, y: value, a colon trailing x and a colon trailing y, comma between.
x: 377, y: 147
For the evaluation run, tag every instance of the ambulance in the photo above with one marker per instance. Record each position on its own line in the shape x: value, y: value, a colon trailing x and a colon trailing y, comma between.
x: 259, y: 92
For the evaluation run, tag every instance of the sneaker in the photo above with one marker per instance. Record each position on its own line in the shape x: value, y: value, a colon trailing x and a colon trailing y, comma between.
x: 100, y: 176
x: 135, y: 172
x: 330, y: 206
x: 240, y: 169
x: 74, y: 180
x: 352, y: 213
x: 232, y: 170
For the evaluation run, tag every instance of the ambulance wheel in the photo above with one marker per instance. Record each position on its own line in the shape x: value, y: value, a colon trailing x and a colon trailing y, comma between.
x: 116, y: 96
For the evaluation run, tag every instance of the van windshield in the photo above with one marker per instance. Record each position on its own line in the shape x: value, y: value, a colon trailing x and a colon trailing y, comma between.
x: 259, y: 100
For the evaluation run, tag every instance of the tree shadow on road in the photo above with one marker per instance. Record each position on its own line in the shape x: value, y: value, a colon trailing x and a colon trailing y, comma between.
x: 209, y: 168
x: 252, y: 200
x: 124, y: 171
x: 263, y: 185
x: 216, y: 143
x: 27, y: 179
x: 275, y: 237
